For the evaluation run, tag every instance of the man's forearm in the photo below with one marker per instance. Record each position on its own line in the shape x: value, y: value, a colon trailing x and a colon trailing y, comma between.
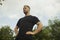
x: 16, y: 31
x: 39, y: 28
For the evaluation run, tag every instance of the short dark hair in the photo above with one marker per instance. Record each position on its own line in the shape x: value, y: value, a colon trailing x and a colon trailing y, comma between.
x: 27, y: 6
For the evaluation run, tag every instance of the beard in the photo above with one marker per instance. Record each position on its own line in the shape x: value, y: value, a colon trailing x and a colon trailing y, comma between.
x: 25, y: 13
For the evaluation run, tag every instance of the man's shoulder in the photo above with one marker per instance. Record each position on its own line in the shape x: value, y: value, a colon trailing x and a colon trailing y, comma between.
x: 34, y: 16
x: 31, y: 16
x: 20, y: 18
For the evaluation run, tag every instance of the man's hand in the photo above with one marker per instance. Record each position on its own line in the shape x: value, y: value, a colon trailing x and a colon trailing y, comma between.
x: 29, y: 32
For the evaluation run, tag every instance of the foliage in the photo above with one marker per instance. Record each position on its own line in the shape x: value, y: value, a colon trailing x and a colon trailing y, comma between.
x: 6, y: 33
x: 50, y: 32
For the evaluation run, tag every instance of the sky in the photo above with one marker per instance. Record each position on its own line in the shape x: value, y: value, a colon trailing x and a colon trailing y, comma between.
x: 12, y: 10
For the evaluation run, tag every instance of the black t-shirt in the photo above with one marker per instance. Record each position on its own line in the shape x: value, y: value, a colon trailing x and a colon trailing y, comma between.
x: 26, y: 24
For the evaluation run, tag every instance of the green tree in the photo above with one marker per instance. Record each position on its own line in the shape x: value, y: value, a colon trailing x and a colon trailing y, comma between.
x: 45, y: 34
x: 6, y: 33
x: 55, y: 27
x: 50, y: 32
x: 1, y: 2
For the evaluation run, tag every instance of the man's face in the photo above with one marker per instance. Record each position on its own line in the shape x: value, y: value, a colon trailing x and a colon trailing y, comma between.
x: 26, y: 9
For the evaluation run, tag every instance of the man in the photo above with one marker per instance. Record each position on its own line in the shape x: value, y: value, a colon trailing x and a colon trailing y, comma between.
x: 26, y: 24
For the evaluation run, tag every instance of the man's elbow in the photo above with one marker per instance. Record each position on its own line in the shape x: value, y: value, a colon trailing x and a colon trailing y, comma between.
x: 40, y: 26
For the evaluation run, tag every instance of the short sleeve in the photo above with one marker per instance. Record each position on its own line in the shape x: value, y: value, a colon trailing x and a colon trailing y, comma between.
x: 36, y: 20
x: 18, y: 23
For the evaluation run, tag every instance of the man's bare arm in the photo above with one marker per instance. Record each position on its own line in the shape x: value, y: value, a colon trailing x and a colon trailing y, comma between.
x: 39, y: 28
x: 16, y: 30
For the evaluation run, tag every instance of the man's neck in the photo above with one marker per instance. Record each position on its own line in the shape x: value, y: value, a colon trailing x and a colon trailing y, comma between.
x: 27, y: 14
